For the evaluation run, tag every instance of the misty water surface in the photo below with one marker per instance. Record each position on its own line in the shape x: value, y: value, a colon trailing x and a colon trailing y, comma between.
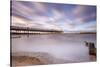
x: 63, y: 46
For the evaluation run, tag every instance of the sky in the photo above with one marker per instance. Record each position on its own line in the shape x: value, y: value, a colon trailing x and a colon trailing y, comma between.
x: 54, y: 16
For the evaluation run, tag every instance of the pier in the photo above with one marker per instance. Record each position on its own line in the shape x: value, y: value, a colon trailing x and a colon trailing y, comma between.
x: 28, y: 30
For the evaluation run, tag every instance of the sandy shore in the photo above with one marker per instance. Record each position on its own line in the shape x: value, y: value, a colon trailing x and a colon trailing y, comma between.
x: 25, y: 60
x: 38, y: 58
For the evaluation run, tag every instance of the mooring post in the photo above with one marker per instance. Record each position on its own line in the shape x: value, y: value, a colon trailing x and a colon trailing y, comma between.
x: 86, y: 43
x: 92, y: 49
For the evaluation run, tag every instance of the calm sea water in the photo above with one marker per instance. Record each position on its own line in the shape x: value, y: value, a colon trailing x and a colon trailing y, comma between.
x: 63, y: 46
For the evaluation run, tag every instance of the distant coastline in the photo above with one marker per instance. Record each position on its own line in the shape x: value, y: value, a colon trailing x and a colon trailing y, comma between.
x: 87, y: 32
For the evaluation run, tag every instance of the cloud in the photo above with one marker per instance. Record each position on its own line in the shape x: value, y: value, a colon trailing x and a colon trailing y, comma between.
x: 24, y: 15
x: 57, y: 14
x: 39, y: 23
x: 85, y: 13
x: 88, y: 18
x: 46, y: 22
x: 39, y: 7
x: 45, y: 16
x: 18, y: 21
x: 91, y: 27
x: 22, y: 10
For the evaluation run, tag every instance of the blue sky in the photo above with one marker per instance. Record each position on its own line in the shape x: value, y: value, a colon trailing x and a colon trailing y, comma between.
x: 65, y: 17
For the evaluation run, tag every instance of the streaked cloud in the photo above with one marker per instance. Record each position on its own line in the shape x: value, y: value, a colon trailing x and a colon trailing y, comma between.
x: 39, y: 7
x: 66, y: 17
x: 85, y: 13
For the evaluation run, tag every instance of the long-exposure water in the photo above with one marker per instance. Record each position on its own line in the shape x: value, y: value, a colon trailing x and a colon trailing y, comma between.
x: 63, y: 46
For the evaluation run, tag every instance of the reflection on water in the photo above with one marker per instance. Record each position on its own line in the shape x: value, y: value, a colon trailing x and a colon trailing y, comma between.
x: 62, y: 46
